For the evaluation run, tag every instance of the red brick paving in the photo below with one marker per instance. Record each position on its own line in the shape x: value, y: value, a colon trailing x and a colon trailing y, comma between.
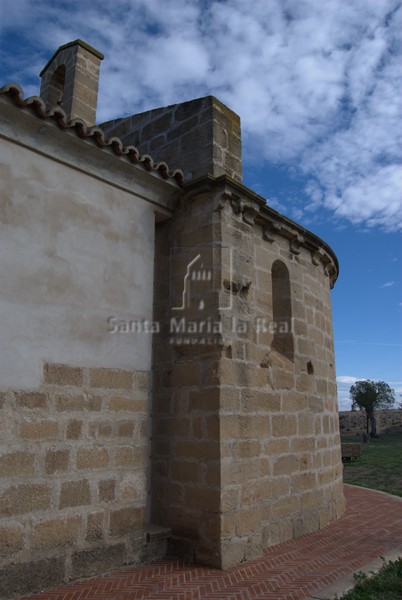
x: 371, y: 527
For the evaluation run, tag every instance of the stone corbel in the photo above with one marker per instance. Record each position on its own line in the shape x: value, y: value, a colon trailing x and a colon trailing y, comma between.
x: 316, y: 256
x: 329, y: 270
x: 268, y: 233
x: 296, y: 243
x: 249, y: 213
x: 223, y: 199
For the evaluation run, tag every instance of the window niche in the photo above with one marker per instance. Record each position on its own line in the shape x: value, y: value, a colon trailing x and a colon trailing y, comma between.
x: 282, y: 310
x: 55, y: 89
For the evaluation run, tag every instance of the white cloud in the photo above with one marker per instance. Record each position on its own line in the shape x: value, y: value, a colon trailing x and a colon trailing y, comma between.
x: 387, y: 284
x: 347, y: 379
x: 317, y: 85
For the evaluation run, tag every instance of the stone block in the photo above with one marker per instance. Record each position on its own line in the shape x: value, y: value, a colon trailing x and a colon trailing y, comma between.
x: 305, y: 425
x: 247, y: 449
x: 283, y: 379
x: 24, y: 498
x: 75, y: 493
x: 125, y: 521
x: 181, y: 470
x: 74, y: 429
x: 94, y: 530
x: 133, y: 487
x: 281, y: 531
x: 285, y: 507
x: 186, y: 374
x: 284, y: 425
x: 86, y: 563
x: 276, y: 446
x: 120, y: 403
x: 278, y: 486
x: 285, y: 465
x: 200, y: 450
x: 62, y: 375
x: 126, y: 429
x: 78, y: 402
x: 112, y: 379
x: 306, y: 523
x: 107, y: 490
x: 11, y: 539
x: 230, y: 499
x: 100, y: 429
x: 92, y: 458
x: 15, y: 464
x: 311, y: 499
x: 233, y: 552
x: 249, y: 521
x: 39, y: 430
x: 202, y: 499
x: 304, y: 481
x: 293, y: 402
x: 55, y: 532
x: 130, y: 456
x: 31, y: 400
x: 57, y: 460
x: 204, y: 400
x: 24, y: 578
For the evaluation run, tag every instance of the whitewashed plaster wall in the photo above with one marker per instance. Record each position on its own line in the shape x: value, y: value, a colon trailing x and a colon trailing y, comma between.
x: 76, y: 247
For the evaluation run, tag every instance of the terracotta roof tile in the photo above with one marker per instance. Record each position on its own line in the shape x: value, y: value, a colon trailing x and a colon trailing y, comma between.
x: 38, y: 107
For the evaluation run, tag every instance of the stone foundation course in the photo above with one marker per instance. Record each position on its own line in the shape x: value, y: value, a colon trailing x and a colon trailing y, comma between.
x: 73, y: 468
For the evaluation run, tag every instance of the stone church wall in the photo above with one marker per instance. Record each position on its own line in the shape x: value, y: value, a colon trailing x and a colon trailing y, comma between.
x: 218, y: 427
x: 77, y: 249
x: 245, y: 431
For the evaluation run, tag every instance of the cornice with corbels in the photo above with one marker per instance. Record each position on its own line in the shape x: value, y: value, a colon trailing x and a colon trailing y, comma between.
x: 254, y: 212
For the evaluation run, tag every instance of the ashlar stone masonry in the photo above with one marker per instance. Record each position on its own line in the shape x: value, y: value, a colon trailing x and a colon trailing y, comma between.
x: 210, y: 428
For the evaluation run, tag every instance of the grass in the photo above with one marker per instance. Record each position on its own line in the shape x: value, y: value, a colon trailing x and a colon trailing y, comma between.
x: 379, y: 466
x: 385, y: 585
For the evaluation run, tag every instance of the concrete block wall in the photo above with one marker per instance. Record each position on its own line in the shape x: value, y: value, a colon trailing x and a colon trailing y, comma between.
x: 200, y: 136
x: 73, y: 477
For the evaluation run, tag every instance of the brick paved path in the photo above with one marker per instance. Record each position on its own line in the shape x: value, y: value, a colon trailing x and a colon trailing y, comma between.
x: 371, y: 528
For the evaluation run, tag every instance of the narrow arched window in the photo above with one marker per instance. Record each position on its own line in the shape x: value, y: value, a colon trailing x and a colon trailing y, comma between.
x: 282, y: 310
x: 56, y: 87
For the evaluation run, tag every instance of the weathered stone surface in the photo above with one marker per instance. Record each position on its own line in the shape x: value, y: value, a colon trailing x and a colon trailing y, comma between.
x: 40, y: 430
x: 92, y: 458
x: 55, y: 532
x: 111, y: 379
x: 57, y: 461
x: 126, y: 520
x: 15, y: 464
x: 62, y: 375
x: 75, y: 493
x: 78, y: 402
x: 31, y: 400
x: 28, y: 577
x: 24, y: 498
x: 98, y: 560
x: 107, y: 490
x: 11, y: 539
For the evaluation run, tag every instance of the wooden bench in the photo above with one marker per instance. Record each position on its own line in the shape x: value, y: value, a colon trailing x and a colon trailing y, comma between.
x: 350, y: 451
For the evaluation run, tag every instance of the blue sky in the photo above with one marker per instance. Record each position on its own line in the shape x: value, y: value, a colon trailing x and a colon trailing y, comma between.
x: 318, y: 88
